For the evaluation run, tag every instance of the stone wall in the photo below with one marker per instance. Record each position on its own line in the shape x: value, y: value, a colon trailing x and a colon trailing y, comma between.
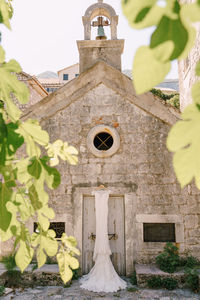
x: 142, y: 165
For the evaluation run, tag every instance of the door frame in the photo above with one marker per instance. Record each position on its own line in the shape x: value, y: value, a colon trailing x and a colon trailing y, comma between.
x: 129, y: 215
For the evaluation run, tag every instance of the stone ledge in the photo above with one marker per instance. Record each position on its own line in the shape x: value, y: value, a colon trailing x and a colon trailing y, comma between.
x: 145, y: 272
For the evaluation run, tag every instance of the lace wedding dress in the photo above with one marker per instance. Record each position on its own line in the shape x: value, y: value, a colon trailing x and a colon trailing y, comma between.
x: 102, y: 277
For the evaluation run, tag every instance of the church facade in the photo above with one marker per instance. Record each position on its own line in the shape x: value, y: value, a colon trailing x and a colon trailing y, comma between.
x: 121, y: 139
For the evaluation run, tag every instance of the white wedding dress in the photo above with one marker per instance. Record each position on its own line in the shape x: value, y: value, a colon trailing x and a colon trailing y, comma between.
x: 102, y: 277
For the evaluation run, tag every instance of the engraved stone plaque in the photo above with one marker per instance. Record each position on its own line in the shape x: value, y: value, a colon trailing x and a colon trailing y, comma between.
x: 159, y: 232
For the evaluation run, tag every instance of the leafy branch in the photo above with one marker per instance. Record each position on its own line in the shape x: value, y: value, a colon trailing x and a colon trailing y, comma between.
x: 26, y: 175
x: 173, y: 38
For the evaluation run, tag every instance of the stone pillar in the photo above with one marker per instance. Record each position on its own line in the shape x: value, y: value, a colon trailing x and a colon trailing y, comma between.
x: 113, y: 27
x: 87, y: 28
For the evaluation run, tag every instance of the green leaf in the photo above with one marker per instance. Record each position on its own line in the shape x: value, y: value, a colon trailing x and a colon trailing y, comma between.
x: 147, y: 70
x: 22, y: 175
x: 24, y: 206
x: 33, y: 128
x: 24, y: 255
x: 70, y: 242
x: 64, y: 151
x: 14, y: 140
x: 141, y: 14
x: 35, y: 169
x: 45, y: 242
x: 10, y: 141
x: 5, y: 14
x: 2, y: 55
x: 197, y: 69
x: 10, y: 84
x: 66, y: 262
x: 196, y: 92
x: 52, y: 173
x: 34, y: 198
x: 184, y: 140
x: 5, y: 215
x: 170, y: 30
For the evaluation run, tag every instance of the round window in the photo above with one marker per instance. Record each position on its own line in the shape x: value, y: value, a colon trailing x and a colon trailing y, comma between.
x: 103, y: 141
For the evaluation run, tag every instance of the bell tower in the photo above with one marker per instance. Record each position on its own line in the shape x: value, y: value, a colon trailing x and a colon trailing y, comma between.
x: 100, y: 49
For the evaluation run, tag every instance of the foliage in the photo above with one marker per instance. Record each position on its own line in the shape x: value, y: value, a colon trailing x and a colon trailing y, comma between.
x: 192, y: 279
x: 173, y: 38
x: 189, y: 262
x: 134, y: 278
x: 2, y: 289
x: 76, y: 274
x: 155, y: 282
x: 169, y: 283
x: 25, y: 181
x: 9, y: 262
x: 13, y: 279
x: 174, y: 101
x: 158, y: 282
x: 168, y: 260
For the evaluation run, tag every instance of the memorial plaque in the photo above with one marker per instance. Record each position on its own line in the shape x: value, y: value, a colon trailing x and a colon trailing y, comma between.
x: 159, y: 232
x: 58, y: 227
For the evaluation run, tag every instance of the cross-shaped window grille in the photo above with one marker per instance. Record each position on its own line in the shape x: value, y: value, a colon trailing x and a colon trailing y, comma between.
x: 103, y: 141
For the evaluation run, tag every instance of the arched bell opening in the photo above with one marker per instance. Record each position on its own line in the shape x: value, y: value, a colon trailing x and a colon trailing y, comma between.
x: 100, y: 10
x: 100, y: 28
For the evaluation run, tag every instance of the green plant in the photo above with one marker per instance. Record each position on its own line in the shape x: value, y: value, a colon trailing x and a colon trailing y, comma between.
x: 158, y: 282
x: 155, y: 282
x: 168, y: 260
x: 2, y: 289
x: 76, y: 274
x: 192, y: 279
x: 131, y: 289
x: 9, y: 262
x: 174, y: 101
x: 25, y: 179
x: 173, y: 37
x: 169, y: 283
x: 134, y: 278
x: 189, y: 262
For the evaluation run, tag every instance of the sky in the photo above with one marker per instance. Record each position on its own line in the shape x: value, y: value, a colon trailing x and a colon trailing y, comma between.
x: 44, y: 34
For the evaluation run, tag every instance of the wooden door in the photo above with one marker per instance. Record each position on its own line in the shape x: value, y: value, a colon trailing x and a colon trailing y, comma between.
x: 115, y: 226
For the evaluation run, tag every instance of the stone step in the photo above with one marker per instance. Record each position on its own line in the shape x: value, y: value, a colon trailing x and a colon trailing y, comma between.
x: 145, y: 272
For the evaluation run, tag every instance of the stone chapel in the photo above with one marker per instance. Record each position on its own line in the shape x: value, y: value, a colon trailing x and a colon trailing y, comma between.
x: 121, y: 139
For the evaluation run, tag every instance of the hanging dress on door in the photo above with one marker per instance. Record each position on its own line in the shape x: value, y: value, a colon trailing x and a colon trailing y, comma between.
x: 102, y: 277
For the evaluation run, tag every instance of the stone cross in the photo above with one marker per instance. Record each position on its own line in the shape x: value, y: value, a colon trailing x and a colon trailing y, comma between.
x: 100, y: 22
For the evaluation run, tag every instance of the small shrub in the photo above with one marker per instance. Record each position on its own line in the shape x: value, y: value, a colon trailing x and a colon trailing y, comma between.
x: 174, y: 101
x: 2, y: 289
x: 189, y: 262
x: 9, y: 262
x: 168, y: 260
x: 155, y: 282
x: 76, y: 274
x: 169, y: 283
x: 192, y: 280
x: 134, y: 279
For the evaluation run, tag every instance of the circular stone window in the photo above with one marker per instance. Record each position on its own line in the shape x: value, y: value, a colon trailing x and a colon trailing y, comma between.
x: 103, y: 141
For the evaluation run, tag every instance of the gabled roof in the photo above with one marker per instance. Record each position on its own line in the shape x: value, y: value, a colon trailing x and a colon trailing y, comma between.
x: 70, y: 67
x: 113, y: 79
x: 34, y: 82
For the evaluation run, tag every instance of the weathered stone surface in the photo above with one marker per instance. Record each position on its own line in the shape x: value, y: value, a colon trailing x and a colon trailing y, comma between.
x: 145, y: 272
x: 75, y: 293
